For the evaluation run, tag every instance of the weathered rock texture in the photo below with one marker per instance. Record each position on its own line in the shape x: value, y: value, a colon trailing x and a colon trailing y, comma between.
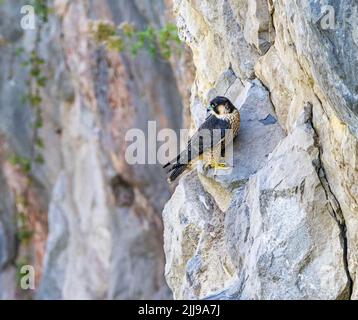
x: 108, y: 210
x: 283, y: 223
x: 7, y: 242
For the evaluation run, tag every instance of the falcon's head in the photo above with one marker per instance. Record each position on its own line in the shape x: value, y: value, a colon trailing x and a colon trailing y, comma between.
x: 221, y: 106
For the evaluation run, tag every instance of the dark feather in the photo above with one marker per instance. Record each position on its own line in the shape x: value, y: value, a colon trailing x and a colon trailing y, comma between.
x: 177, y: 170
x: 205, y: 138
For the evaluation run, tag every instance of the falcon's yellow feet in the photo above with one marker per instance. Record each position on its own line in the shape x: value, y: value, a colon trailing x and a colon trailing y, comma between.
x: 222, y: 166
x: 217, y: 165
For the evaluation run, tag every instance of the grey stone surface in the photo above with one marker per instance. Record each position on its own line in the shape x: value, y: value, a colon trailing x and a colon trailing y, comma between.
x: 7, y: 243
x: 289, y: 225
x: 57, y: 255
x: 281, y: 225
x: 281, y: 236
x: 106, y: 235
x: 332, y: 53
x: 277, y: 239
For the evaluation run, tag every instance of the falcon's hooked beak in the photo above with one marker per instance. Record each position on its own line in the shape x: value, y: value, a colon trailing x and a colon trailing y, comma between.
x: 211, y: 109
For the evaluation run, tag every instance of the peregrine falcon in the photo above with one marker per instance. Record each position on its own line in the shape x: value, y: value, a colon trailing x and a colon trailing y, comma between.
x: 208, y: 142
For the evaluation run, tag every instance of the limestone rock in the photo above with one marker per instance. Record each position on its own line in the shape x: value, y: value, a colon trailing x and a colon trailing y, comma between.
x: 290, y: 203
x: 282, y: 224
x: 258, y: 29
x: 7, y: 244
x: 57, y: 253
x: 305, y: 64
x: 213, y: 32
x: 278, y: 239
x: 282, y: 238
x: 197, y: 261
x: 105, y: 232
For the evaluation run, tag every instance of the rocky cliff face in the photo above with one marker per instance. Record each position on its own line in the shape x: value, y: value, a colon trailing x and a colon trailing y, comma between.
x: 283, y: 223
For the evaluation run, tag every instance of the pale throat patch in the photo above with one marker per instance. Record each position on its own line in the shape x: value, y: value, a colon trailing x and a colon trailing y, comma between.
x: 221, y: 109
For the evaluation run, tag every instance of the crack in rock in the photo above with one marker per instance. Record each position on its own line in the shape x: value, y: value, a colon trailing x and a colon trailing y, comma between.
x: 336, y: 211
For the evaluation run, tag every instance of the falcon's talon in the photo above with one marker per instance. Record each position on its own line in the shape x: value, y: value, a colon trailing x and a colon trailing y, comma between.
x: 223, y: 166
x: 213, y: 164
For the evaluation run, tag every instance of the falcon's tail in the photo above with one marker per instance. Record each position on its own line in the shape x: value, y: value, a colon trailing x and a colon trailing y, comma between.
x: 177, y: 166
x: 175, y: 171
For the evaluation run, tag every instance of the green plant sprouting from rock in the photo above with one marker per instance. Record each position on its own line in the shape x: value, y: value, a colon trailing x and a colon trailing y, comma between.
x: 42, y: 9
x: 126, y: 38
x: 24, y: 230
x: 35, y: 67
x: 36, y: 82
x: 23, y: 163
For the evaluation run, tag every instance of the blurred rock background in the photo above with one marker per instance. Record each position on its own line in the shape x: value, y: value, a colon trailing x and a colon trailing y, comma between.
x: 282, y: 225
x: 70, y: 204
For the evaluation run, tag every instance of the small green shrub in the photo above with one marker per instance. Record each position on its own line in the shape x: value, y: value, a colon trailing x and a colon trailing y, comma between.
x: 23, y: 163
x: 157, y: 42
